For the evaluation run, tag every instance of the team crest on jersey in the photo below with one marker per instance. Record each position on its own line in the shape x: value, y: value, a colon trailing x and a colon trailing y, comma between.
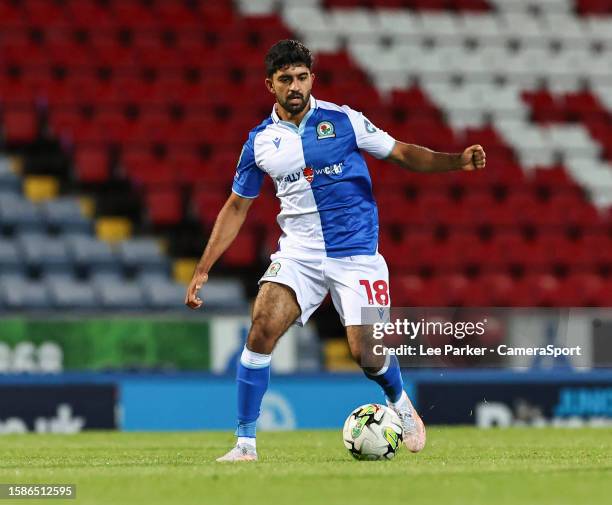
x: 273, y: 269
x: 308, y: 174
x: 325, y: 130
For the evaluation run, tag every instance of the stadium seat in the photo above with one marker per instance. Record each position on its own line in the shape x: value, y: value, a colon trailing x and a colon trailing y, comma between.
x: 21, y: 294
x: 38, y: 188
x: 9, y: 182
x: 20, y: 214
x: 87, y: 251
x: 120, y: 295
x: 163, y: 293
x: 142, y: 254
x: 19, y: 125
x: 44, y: 252
x: 10, y: 258
x: 225, y: 294
x: 70, y: 294
x: 91, y: 164
x: 65, y: 215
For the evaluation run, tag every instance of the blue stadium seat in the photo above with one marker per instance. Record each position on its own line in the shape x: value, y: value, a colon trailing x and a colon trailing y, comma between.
x: 90, y: 252
x: 9, y: 182
x: 45, y: 252
x: 21, y: 294
x: 65, y: 214
x: 142, y: 252
x: 224, y: 294
x: 143, y: 255
x: 19, y: 213
x: 120, y: 295
x: 10, y: 259
x: 57, y: 272
x: 163, y: 293
x: 106, y: 273
x: 70, y: 294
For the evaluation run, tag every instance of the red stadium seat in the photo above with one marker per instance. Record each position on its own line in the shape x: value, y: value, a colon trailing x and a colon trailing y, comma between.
x: 264, y: 210
x: 498, y: 289
x: 16, y: 92
x: 145, y: 169
x: 90, y: 14
x: 165, y: 205
x: 411, y: 291
x: 593, y: 7
x: 19, y: 124
x: 207, y: 203
x: 91, y: 164
x: 243, y: 251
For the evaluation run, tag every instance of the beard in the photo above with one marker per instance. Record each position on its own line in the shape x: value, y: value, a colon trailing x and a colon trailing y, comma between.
x: 295, y: 107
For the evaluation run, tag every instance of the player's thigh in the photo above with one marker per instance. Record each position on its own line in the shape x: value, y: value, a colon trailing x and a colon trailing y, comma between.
x: 358, y: 283
x: 275, y: 310
x: 305, y: 277
x: 362, y: 343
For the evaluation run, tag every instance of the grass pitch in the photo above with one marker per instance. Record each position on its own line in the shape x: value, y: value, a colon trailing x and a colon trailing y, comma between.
x: 459, y: 466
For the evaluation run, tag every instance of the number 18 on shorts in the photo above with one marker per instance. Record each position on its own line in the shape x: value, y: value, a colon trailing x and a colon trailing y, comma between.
x: 354, y: 282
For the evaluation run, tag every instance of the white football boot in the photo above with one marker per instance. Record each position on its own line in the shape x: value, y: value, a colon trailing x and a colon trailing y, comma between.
x: 242, y: 452
x: 414, y: 429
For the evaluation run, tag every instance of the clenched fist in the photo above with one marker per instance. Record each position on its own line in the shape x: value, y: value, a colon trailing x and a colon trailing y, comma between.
x: 473, y: 158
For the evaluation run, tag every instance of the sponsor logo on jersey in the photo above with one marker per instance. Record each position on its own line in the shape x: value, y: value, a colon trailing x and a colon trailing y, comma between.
x: 308, y: 174
x: 333, y: 169
x: 325, y: 130
x: 277, y: 142
x: 273, y: 269
x: 294, y: 177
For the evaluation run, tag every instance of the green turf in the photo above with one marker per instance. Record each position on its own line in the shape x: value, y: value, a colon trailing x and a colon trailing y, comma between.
x: 459, y: 466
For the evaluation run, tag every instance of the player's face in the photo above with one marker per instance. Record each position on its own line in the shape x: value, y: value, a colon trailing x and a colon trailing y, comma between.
x: 291, y: 86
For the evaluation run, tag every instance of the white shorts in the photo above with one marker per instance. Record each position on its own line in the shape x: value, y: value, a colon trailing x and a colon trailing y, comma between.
x: 354, y: 282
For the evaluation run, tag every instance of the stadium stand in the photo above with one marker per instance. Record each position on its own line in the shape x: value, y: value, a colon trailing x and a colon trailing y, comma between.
x: 146, y: 104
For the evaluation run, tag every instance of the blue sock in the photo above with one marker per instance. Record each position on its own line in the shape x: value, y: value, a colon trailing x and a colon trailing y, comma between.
x: 389, y: 377
x: 253, y: 377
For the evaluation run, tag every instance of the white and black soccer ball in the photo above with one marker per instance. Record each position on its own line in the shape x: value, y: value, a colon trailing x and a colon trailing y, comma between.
x: 372, y: 432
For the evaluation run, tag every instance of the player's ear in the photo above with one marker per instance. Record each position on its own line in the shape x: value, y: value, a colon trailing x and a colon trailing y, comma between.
x: 270, y: 85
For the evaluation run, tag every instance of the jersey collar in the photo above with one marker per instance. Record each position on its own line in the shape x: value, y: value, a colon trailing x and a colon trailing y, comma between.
x: 299, y: 130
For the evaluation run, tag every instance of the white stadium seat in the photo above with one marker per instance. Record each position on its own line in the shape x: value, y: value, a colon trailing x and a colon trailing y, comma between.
x: 440, y: 24
x: 255, y: 7
x: 354, y: 22
x: 480, y: 25
x: 397, y: 24
x: 520, y: 25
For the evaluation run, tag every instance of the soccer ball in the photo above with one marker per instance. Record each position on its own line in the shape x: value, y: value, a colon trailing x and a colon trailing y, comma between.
x: 373, y: 432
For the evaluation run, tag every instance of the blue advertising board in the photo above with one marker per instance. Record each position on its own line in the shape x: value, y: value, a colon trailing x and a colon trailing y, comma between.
x: 292, y: 402
x: 202, y: 401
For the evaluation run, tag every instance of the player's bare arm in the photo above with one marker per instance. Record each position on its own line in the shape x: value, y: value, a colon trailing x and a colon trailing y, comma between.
x: 421, y: 159
x: 227, y: 225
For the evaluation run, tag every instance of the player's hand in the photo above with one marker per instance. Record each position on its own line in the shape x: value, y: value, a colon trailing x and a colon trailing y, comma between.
x: 473, y: 158
x: 192, y: 300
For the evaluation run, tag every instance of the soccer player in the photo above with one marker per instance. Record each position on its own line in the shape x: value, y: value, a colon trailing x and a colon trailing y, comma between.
x: 329, y: 221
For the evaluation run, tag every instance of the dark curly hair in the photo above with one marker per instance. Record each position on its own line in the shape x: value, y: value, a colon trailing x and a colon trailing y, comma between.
x: 287, y: 52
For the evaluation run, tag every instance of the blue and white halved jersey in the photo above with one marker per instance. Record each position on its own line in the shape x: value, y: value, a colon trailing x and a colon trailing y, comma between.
x: 321, y: 179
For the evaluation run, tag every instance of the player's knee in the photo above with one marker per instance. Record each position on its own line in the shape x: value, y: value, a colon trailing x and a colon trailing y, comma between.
x: 262, y: 336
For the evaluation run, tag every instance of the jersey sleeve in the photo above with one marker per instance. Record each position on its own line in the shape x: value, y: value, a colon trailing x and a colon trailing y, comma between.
x: 369, y: 138
x: 249, y: 177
